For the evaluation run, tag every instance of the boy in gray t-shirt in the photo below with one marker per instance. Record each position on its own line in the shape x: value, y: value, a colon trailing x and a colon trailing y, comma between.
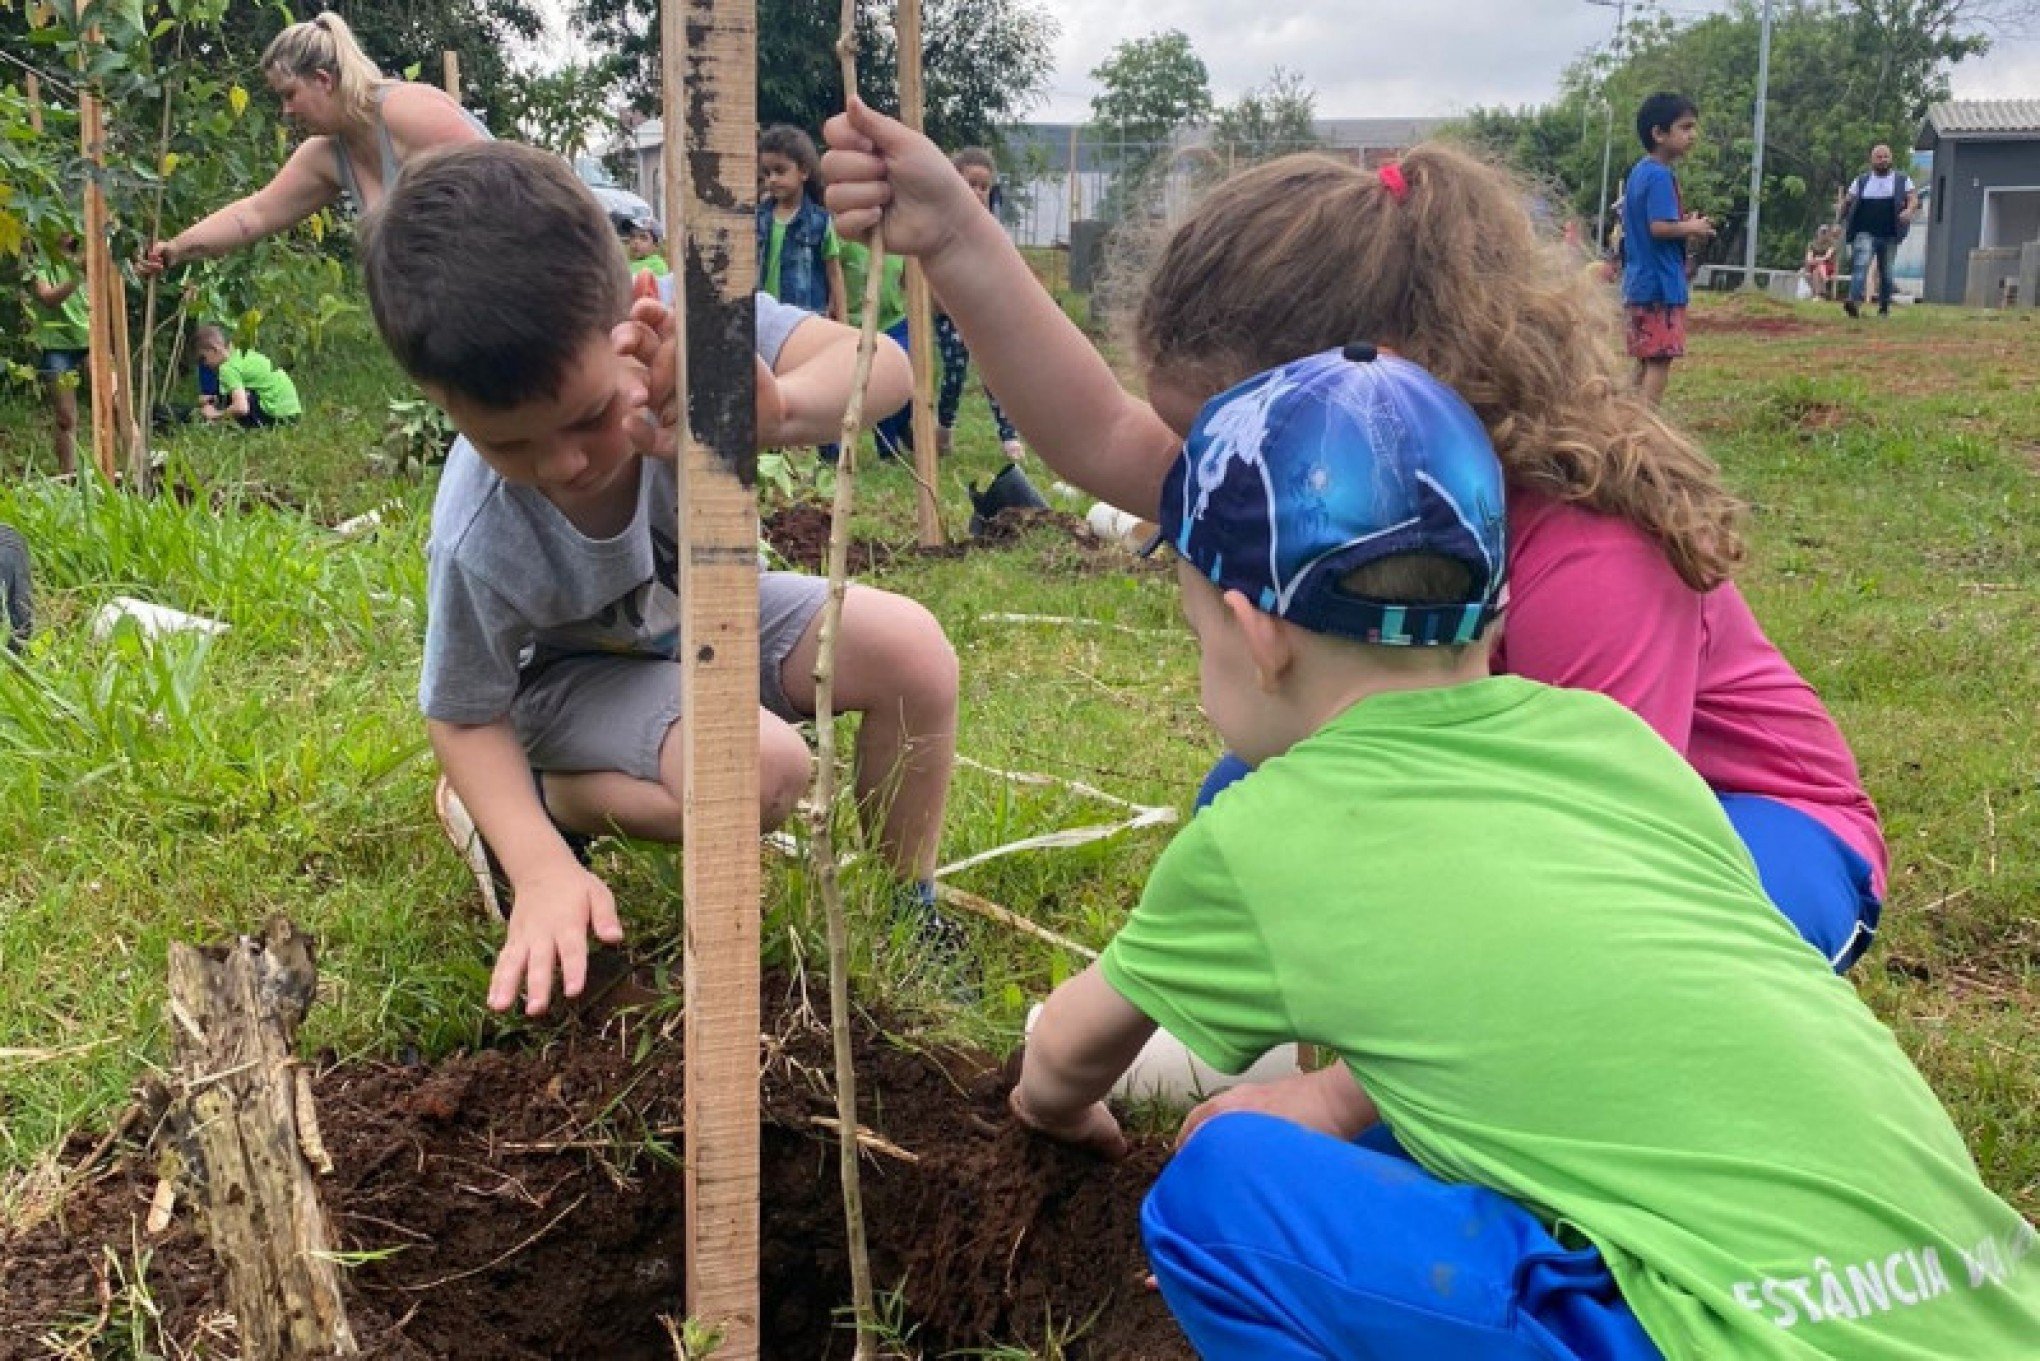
x: 550, y: 687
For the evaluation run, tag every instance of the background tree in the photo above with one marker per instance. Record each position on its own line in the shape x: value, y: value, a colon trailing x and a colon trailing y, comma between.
x: 1273, y: 118
x: 568, y: 110
x: 1149, y: 87
x: 1845, y: 75
x: 985, y: 62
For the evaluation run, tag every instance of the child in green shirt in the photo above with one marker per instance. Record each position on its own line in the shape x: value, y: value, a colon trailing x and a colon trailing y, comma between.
x: 245, y: 384
x: 62, y: 329
x: 641, y: 236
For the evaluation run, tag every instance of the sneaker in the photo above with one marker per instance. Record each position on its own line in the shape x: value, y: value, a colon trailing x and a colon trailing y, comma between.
x: 1883, y: 309
x: 474, y: 852
x: 945, y: 439
x: 1851, y: 308
x: 941, y: 936
x: 1015, y: 451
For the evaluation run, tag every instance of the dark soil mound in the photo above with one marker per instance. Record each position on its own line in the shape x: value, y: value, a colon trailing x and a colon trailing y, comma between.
x: 800, y: 534
x: 528, y: 1203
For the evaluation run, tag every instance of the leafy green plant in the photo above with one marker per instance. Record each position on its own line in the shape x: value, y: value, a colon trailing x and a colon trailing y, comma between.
x: 416, y: 433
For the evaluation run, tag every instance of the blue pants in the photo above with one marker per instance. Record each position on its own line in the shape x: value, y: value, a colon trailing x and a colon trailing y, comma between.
x: 896, y: 432
x: 1821, y: 885
x: 1271, y: 1241
x: 1860, y: 250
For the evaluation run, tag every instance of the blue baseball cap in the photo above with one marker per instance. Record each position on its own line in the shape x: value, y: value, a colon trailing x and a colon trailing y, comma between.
x: 1297, y: 476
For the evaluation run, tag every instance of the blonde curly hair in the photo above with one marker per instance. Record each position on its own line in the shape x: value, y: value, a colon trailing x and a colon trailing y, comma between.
x: 1306, y: 253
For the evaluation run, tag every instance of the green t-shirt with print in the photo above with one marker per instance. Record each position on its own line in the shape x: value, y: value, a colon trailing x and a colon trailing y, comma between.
x: 68, y: 325
x: 252, y: 370
x: 832, y: 249
x: 653, y: 263
x: 1527, y: 927
x: 892, y: 292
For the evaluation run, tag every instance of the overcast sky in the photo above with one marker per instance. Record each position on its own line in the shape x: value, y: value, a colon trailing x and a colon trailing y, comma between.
x: 1409, y: 58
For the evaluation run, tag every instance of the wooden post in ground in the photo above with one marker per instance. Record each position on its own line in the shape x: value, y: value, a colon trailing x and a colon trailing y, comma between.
x: 709, y: 56
x: 99, y: 289
x: 920, y: 317
x: 33, y: 89
x: 242, y: 1139
x: 450, y: 59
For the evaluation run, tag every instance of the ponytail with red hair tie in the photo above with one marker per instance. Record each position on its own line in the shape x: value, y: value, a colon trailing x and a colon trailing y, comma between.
x: 1391, y: 177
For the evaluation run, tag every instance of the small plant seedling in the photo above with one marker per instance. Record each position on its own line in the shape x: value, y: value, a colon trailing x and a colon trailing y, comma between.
x: 417, y: 433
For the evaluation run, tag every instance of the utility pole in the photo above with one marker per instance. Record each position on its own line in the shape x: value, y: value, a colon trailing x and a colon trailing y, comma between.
x: 1621, y: 8
x: 1757, y: 158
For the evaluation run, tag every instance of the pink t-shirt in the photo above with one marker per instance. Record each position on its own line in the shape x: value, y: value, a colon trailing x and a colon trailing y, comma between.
x: 1595, y: 605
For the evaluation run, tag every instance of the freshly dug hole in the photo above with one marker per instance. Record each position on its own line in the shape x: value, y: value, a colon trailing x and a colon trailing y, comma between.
x: 528, y: 1204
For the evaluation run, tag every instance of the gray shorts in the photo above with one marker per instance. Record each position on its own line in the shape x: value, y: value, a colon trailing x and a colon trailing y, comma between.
x: 613, y: 713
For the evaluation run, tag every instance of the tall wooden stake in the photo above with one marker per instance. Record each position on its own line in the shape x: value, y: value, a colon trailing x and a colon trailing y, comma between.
x: 98, y: 297
x: 450, y: 59
x: 709, y: 56
x: 920, y: 319
x: 823, y: 842
x: 33, y: 88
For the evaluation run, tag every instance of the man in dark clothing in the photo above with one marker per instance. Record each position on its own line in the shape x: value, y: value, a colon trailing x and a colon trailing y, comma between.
x: 1876, y: 213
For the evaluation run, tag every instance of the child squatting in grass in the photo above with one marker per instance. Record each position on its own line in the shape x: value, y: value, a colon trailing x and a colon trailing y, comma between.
x: 549, y: 686
x: 1594, y: 1096
x: 1623, y: 540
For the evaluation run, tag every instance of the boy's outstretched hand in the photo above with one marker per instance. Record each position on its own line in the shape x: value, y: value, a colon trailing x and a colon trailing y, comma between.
x: 549, y: 926
x: 875, y: 162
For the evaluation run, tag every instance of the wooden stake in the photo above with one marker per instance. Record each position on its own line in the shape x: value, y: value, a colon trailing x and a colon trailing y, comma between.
x: 823, y: 842
x: 920, y: 318
x: 450, y: 59
x: 710, y: 77
x: 33, y: 88
x: 239, y: 1133
x: 98, y: 263
x: 1076, y: 195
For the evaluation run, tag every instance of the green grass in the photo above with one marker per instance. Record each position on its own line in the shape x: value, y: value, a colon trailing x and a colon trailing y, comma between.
x: 187, y: 789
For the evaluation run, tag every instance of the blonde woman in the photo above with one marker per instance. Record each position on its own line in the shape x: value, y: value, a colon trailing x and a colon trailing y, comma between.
x: 364, y: 128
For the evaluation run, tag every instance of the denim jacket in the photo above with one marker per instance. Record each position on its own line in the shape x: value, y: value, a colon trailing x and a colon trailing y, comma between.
x: 803, y: 272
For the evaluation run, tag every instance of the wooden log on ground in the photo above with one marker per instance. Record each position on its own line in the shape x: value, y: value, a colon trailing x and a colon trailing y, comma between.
x: 241, y: 1139
x: 709, y: 54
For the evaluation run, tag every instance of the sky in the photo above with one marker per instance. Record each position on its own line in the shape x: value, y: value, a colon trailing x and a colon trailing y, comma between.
x: 1411, y: 59
x: 1369, y: 59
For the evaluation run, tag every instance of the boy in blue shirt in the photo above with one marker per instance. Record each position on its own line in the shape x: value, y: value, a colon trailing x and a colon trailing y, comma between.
x: 1655, y: 230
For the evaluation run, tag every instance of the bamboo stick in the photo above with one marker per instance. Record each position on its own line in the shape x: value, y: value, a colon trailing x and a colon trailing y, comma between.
x: 823, y: 842
x: 920, y: 318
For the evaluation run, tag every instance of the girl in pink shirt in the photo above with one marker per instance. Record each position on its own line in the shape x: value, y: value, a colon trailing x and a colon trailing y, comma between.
x: 1622, y: 537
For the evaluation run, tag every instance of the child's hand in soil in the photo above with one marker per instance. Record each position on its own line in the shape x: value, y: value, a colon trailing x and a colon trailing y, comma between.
x: 549, y: 924
x: 1093, y: 1129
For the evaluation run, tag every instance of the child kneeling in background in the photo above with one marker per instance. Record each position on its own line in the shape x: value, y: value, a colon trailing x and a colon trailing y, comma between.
x: 242, y: 385
x: 550, y: 687
x: 1632, y: 1114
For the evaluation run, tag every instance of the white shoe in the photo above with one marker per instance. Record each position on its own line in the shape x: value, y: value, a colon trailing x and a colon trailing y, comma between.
x: 1015, y: 451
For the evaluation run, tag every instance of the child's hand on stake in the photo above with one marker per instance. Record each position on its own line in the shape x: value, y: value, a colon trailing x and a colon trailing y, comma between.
x: 874, y: 163
x: 549, y: 926
x: 1093, y: 1129
x: 649, y: 342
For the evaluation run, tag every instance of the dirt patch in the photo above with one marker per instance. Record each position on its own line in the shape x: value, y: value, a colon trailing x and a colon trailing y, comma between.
x: 528, y: 1203
x: 1744, y: 323
x: 799, y: 533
